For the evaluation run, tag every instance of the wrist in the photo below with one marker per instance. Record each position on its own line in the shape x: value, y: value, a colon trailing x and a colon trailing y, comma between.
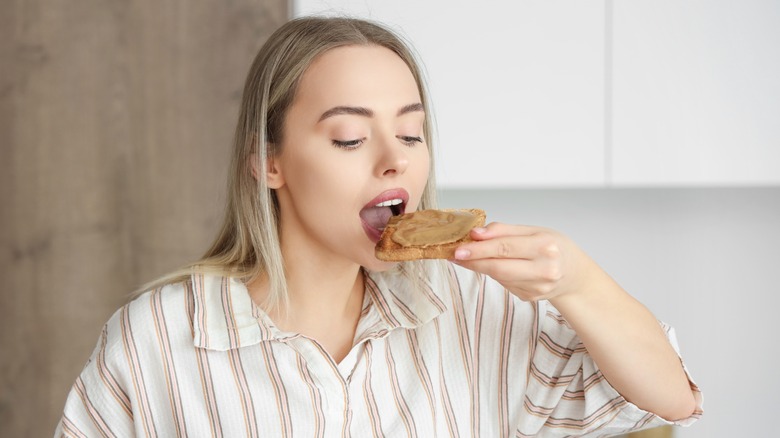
x: 595, y: 294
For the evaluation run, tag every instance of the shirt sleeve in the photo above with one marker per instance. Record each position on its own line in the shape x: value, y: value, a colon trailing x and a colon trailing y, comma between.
x: 99, y: 403
x: 567, y: 393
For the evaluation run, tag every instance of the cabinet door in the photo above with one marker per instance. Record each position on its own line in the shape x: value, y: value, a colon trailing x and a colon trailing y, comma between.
x: 696, y: 92
x: 517, y: 87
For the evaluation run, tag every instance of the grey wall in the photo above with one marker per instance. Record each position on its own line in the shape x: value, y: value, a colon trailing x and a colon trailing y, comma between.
x: 703, y: 260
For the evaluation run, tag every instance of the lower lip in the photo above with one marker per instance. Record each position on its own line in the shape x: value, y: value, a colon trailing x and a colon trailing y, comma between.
x: 373, y: 234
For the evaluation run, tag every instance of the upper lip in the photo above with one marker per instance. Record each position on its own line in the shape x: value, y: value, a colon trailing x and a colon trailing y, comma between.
x: 389, y: 195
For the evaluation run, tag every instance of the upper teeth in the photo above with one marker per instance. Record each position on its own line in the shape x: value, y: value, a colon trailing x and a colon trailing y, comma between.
x: 389, y: 203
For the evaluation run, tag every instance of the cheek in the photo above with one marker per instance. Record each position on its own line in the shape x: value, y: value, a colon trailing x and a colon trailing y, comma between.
x: 322, y: 180
x: 422, y: 171
x: 419, y: 174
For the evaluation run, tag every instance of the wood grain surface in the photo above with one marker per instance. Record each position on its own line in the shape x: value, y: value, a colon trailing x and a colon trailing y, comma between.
x: 116, y: 120
x: 658, y: 432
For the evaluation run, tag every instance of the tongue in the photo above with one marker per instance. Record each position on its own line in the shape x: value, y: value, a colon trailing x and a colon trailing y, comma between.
x: 376, y: 217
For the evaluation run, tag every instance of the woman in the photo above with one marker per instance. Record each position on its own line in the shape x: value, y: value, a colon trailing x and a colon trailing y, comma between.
x: 289, y: 325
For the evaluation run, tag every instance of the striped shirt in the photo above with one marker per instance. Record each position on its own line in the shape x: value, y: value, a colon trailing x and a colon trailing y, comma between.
x: 199, y: 358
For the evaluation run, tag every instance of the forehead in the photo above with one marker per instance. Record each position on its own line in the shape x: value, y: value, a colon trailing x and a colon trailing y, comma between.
x: 358, y: 75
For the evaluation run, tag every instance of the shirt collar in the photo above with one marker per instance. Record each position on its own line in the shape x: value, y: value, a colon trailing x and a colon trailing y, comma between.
x: 223, y: 314
x: 399, y: 302
x: 225, y: 317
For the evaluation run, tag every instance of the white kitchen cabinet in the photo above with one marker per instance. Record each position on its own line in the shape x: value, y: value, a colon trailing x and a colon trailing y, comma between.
x: 696, y: 93
x: 517, y: 87
x: 607, y: 93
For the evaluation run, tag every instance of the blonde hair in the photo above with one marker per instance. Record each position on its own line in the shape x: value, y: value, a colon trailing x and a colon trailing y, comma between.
x: 247, y: 245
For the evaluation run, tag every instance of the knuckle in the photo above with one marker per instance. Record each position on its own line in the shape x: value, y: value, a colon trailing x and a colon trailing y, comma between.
x: 548, y: 245
x: 503, y: 249
x: 551, y: 250
x: 552, y: 273
x: 545, y: 288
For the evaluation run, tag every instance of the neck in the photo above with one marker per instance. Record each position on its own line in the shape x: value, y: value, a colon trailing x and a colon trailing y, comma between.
x: 325, y: 295
x: 325, y: 290
x: 318, y: 289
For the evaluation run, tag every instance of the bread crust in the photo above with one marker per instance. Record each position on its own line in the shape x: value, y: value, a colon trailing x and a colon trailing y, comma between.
x: 388, y: 250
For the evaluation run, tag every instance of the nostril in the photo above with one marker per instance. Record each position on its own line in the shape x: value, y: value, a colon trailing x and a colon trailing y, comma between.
x: 393, y: 161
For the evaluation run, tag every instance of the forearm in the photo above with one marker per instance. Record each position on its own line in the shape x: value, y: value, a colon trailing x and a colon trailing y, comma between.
x: 622, y: 336
x: 629, y: 346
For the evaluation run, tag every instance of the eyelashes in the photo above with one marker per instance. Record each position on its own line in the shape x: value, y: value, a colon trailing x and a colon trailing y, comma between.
x: 409, y: 140
x: 354, y: 144
x: 347, y: 144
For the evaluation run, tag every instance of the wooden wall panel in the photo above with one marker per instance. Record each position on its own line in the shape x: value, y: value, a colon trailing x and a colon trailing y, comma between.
x: 116, y: 120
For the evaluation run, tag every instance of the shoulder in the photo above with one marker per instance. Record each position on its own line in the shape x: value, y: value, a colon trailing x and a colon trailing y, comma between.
x: 167, y: 309
x: 169, y: 301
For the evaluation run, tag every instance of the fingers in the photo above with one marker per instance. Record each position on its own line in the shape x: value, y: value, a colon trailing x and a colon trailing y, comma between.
x: 504, y: 242
x: 531, y: 262
x: 497, y: 229
x: 515, y: 247
x: 525, y: 279
x: 501, y: 269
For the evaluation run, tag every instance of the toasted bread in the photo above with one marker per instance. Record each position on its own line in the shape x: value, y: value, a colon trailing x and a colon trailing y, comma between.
x: 388, y: 249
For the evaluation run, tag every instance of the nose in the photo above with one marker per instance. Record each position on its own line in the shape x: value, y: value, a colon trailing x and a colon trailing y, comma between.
x: 393, y: 157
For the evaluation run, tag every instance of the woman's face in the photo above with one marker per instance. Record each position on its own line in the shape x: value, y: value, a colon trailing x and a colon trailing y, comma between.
x: 353, y: 143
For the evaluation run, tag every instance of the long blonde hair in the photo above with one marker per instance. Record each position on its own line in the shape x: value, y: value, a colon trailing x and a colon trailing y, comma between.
x: 247, y: 245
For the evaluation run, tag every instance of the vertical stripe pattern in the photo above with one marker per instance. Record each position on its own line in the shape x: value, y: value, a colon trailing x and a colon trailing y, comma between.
x: 403, y: 407
x: 280, y: 394
x: 112, y: 386
x: 368, y: 394
x: 460, y: 357
x: 169, y: 369
x: 316, y: 399
x: 245, y: 396
x: 503, y: 367
x: 136, y: 371
x: 204, y: 371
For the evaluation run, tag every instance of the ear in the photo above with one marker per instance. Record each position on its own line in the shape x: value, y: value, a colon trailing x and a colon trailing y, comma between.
x: 273, y: 172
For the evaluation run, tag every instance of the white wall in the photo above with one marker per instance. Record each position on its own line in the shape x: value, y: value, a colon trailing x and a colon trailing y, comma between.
x: 703, y: 260
x: 695, y: 98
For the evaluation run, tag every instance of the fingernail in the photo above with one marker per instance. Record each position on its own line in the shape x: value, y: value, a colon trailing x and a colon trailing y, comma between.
x: 462, y: 254
x: 480, y: 230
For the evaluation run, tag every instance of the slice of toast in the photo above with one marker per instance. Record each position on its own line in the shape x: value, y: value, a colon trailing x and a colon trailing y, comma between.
x: 389, y: 250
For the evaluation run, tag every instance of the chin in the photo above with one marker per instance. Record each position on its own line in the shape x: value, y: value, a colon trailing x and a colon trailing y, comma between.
x: 377, y: 265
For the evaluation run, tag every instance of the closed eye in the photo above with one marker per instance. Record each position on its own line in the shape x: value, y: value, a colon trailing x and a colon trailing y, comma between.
x: 409, y: 140
x: 348, y: 144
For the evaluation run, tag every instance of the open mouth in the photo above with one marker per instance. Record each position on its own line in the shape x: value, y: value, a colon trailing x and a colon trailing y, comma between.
x: 375, y: 214
x: 396, y: 206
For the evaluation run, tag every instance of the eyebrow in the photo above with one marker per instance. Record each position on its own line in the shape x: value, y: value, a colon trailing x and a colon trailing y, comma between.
x: 365, y: 112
